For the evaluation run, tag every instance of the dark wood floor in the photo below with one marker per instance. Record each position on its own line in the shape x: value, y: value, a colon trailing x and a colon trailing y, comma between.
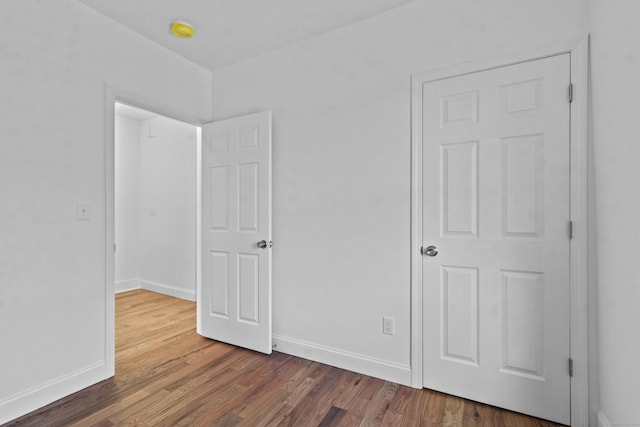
x: 167, y: 375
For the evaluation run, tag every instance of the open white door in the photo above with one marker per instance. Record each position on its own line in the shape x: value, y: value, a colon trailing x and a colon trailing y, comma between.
x: 234, y: 296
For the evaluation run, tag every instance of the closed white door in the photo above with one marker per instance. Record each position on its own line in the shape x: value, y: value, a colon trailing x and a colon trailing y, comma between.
x: 234, y: 298
x: 496, y: 215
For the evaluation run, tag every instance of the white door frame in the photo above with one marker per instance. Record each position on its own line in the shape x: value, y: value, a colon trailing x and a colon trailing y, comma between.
x: 578, y: 50
x: 113, y: 95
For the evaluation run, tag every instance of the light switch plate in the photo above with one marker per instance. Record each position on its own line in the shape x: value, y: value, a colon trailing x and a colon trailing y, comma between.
x: 83, y: 211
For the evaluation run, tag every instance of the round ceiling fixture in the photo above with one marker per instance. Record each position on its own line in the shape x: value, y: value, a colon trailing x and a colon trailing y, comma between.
x: 182, y: 30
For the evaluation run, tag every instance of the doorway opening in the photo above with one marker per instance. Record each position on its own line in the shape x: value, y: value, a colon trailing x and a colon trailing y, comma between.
x: 243, y: 197
x: 156, y: 212
x: 156, y: 217
x: 157, y: 176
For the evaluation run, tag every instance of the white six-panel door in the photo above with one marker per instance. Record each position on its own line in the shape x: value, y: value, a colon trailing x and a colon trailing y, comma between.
x: 496, y: 210
x: 234, y: 298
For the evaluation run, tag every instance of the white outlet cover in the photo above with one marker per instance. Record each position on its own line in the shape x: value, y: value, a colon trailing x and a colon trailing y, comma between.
x: 387, y: 325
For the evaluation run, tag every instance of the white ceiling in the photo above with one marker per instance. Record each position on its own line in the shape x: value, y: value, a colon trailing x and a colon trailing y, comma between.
x: 231, y: 31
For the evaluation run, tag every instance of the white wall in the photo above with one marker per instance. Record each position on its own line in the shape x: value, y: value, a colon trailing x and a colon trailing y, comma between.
x: 127, y: 196
x: 168, y: 187
x: 155, y: 192
x: 341, y: 112
x: 55, y: 58
x: 616, y: 89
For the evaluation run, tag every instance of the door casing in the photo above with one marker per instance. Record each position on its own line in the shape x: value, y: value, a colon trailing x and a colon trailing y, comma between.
x: 579, y: 320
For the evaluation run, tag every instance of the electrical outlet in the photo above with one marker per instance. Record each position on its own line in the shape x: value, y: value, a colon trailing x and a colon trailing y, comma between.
x: 387, y: 325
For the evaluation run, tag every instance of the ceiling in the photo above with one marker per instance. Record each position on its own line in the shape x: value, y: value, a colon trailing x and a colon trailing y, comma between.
x: 231, y: 31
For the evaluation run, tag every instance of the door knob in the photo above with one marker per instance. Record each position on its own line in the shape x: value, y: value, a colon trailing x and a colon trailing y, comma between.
x: 429, y: 251
x: 262, y: 244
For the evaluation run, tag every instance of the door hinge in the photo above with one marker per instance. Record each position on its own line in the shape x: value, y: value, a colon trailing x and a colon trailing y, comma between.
x: 570, y: 92
x: 570, y: 230
x: 114, y: 247
x: 570, y: 367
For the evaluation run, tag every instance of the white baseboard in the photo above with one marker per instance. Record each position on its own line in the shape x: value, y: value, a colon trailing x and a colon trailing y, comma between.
x: 602, y: 420
x: 388, y: 371
x: 173, y: 291
x: 127, y: 285
x: 43, y: 394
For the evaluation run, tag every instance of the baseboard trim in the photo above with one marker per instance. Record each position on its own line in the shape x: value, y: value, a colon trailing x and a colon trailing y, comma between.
x: 602, y: 420
x: 127, y: 285
x: 163, y: 288
x: 389, y: 371
x: 43, y: 394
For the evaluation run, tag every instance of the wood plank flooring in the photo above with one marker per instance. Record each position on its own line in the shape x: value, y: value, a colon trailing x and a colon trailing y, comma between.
x: 167, y: 375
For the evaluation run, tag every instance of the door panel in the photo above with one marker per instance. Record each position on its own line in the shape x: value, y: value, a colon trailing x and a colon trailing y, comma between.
x: 234, y: 301
x: 496, y: 205
x: 460, y: 328
x: 459, y: 189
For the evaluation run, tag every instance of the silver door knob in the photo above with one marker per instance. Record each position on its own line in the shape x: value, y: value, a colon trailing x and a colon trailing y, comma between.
x: 262, y: 244
x: 429, y: 251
